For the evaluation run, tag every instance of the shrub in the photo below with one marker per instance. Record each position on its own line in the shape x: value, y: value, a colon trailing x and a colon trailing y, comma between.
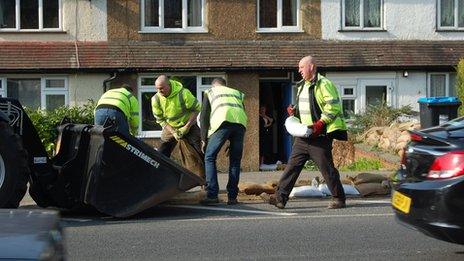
x: 47, y: 121
x: 377, y: 116
x: 460, y: 85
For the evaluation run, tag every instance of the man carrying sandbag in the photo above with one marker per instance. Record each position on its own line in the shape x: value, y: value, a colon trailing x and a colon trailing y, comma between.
x: 319, y: 107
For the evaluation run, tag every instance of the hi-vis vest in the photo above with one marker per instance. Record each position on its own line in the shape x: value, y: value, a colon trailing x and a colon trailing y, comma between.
x: 126, y: 102
x: 226, y: 105
x: 175, y: 109
x: 327, y: 99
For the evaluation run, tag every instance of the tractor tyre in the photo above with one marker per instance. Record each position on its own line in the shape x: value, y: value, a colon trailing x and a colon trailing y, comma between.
x: 13, y: 168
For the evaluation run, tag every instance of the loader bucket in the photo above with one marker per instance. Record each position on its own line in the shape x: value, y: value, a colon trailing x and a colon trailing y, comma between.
x: 121, y: 175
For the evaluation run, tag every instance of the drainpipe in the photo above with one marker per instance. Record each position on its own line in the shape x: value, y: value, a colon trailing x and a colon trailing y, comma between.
x: 107, y: 81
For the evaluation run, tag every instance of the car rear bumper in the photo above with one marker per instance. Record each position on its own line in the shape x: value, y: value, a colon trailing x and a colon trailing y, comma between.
x: 436, y: 208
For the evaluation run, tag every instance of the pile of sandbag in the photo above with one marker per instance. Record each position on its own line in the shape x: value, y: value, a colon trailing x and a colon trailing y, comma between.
x: 369, y: 184
x: 391, y: 138
x: 318, y: 188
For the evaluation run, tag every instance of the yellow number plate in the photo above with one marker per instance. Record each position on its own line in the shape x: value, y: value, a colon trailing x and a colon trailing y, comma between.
x: 401, y: 202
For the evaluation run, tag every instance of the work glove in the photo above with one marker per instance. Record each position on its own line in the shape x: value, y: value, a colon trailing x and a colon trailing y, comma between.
x: 318, y: 127
x: 181, y: 132
x: 291, y: 110
x: 176, y: 135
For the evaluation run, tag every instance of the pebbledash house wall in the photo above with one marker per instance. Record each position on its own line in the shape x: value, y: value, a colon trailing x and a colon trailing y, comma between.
x: 81, y: 21
x: 403, y: 20
x: 226, y: 20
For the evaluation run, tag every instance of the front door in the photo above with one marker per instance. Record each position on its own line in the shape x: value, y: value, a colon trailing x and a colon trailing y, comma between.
x: 376, y: 92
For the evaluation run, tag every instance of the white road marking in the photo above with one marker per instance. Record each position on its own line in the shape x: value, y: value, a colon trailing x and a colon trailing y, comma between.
x: 236, y: 210
x: 370, y: 201
x: 285, y: 217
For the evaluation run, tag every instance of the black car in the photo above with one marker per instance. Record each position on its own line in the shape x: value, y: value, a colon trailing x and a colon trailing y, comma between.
x: 30, y: 235
x: 429, y: 195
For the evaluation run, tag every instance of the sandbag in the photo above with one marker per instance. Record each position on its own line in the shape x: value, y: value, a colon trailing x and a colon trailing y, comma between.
x: 372, y: 189
x: 256, y: 189
x: 368, y: 178
x: 296, y: 128
x: 349, y: 190
x: 305, y: 191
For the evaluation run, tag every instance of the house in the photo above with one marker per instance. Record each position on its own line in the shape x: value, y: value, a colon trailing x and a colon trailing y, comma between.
x: 65, y: 52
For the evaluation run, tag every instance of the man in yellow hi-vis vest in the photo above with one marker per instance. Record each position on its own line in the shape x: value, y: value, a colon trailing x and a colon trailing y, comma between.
x: 176, y: 110
x: 121, y: 106
x: 319, y: 107
x: 222, y: 118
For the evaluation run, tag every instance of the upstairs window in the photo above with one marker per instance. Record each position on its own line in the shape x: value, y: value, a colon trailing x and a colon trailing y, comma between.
x: 30, y: 15
x: 451, y: 14
x: 362, y: 14
x: 278, y: 16
x: 171, y: 16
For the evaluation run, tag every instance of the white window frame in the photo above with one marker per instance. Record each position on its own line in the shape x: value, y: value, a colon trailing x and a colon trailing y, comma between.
x: 43, y: 91
x: 41, y: 28
x: 2, y: 87
x: 349, y: 97
x: 456, y: 21
x: 185, y: 28
x: 280, y: 28
x: 151, y: 88
x: 429, y: 82
x: 361, y: 18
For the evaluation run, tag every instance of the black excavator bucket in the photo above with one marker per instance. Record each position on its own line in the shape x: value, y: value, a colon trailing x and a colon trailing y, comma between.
x: 115, y: 173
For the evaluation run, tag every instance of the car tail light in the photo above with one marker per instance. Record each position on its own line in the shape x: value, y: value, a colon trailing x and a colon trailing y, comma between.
x: 447, y: 166
x: 416, y: 137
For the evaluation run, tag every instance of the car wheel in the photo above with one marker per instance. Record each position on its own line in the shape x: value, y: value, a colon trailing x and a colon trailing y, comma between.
x: 13, y: 168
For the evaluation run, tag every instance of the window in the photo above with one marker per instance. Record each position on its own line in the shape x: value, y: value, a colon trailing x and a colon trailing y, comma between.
x: 45, y: 93
x: 348, y: 96
x: 30, y: 15
x: 362, y: 14
x: 278, y: 16
x: 2, y: 89
x: 439, y: 84
x: 171, y: 16
x: 451, y: 14
x: 148, y: 126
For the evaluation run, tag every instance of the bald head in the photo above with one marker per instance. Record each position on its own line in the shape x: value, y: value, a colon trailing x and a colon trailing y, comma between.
x: 307, y: 68
x: 162, y: 85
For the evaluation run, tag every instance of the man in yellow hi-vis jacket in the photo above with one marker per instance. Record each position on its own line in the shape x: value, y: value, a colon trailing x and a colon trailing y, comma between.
x: 121, y: 106
x: 222, y: 119
x: 319, y: 107
x: 176, y: 110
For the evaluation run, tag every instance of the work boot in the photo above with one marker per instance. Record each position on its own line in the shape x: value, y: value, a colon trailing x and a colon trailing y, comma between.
x: 209, y: 201
x: 336, y: 204
x: 271, y: 199
x: 232, y: 201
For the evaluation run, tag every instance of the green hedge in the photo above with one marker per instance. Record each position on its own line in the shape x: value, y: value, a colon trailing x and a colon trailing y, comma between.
x: 47, y: 121
x: 460, y: 85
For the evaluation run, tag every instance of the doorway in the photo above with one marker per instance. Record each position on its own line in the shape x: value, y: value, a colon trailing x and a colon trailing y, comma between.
x: 275, y: 95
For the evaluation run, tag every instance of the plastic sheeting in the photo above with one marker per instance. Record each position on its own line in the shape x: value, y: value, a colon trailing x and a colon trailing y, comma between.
x: 296, y: 128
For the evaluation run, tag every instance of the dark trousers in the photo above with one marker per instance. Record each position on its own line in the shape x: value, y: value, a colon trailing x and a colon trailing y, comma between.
x: 320, y: 151
x: 168, y: 142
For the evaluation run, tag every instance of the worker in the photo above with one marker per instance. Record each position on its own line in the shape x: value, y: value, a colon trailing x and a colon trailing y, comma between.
x: 121, y: 106
x: 176, y: 109
x: 319, y: 107
x: 222, y: 118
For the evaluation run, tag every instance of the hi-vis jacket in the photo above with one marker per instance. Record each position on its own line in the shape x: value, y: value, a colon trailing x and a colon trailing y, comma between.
x: 226, y: 105
x: 175, y: 109
x: 126, y: 102
x: 328, y: 101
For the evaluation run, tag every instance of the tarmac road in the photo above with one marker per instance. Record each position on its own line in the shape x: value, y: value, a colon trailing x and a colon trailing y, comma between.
x: 305, y: 230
